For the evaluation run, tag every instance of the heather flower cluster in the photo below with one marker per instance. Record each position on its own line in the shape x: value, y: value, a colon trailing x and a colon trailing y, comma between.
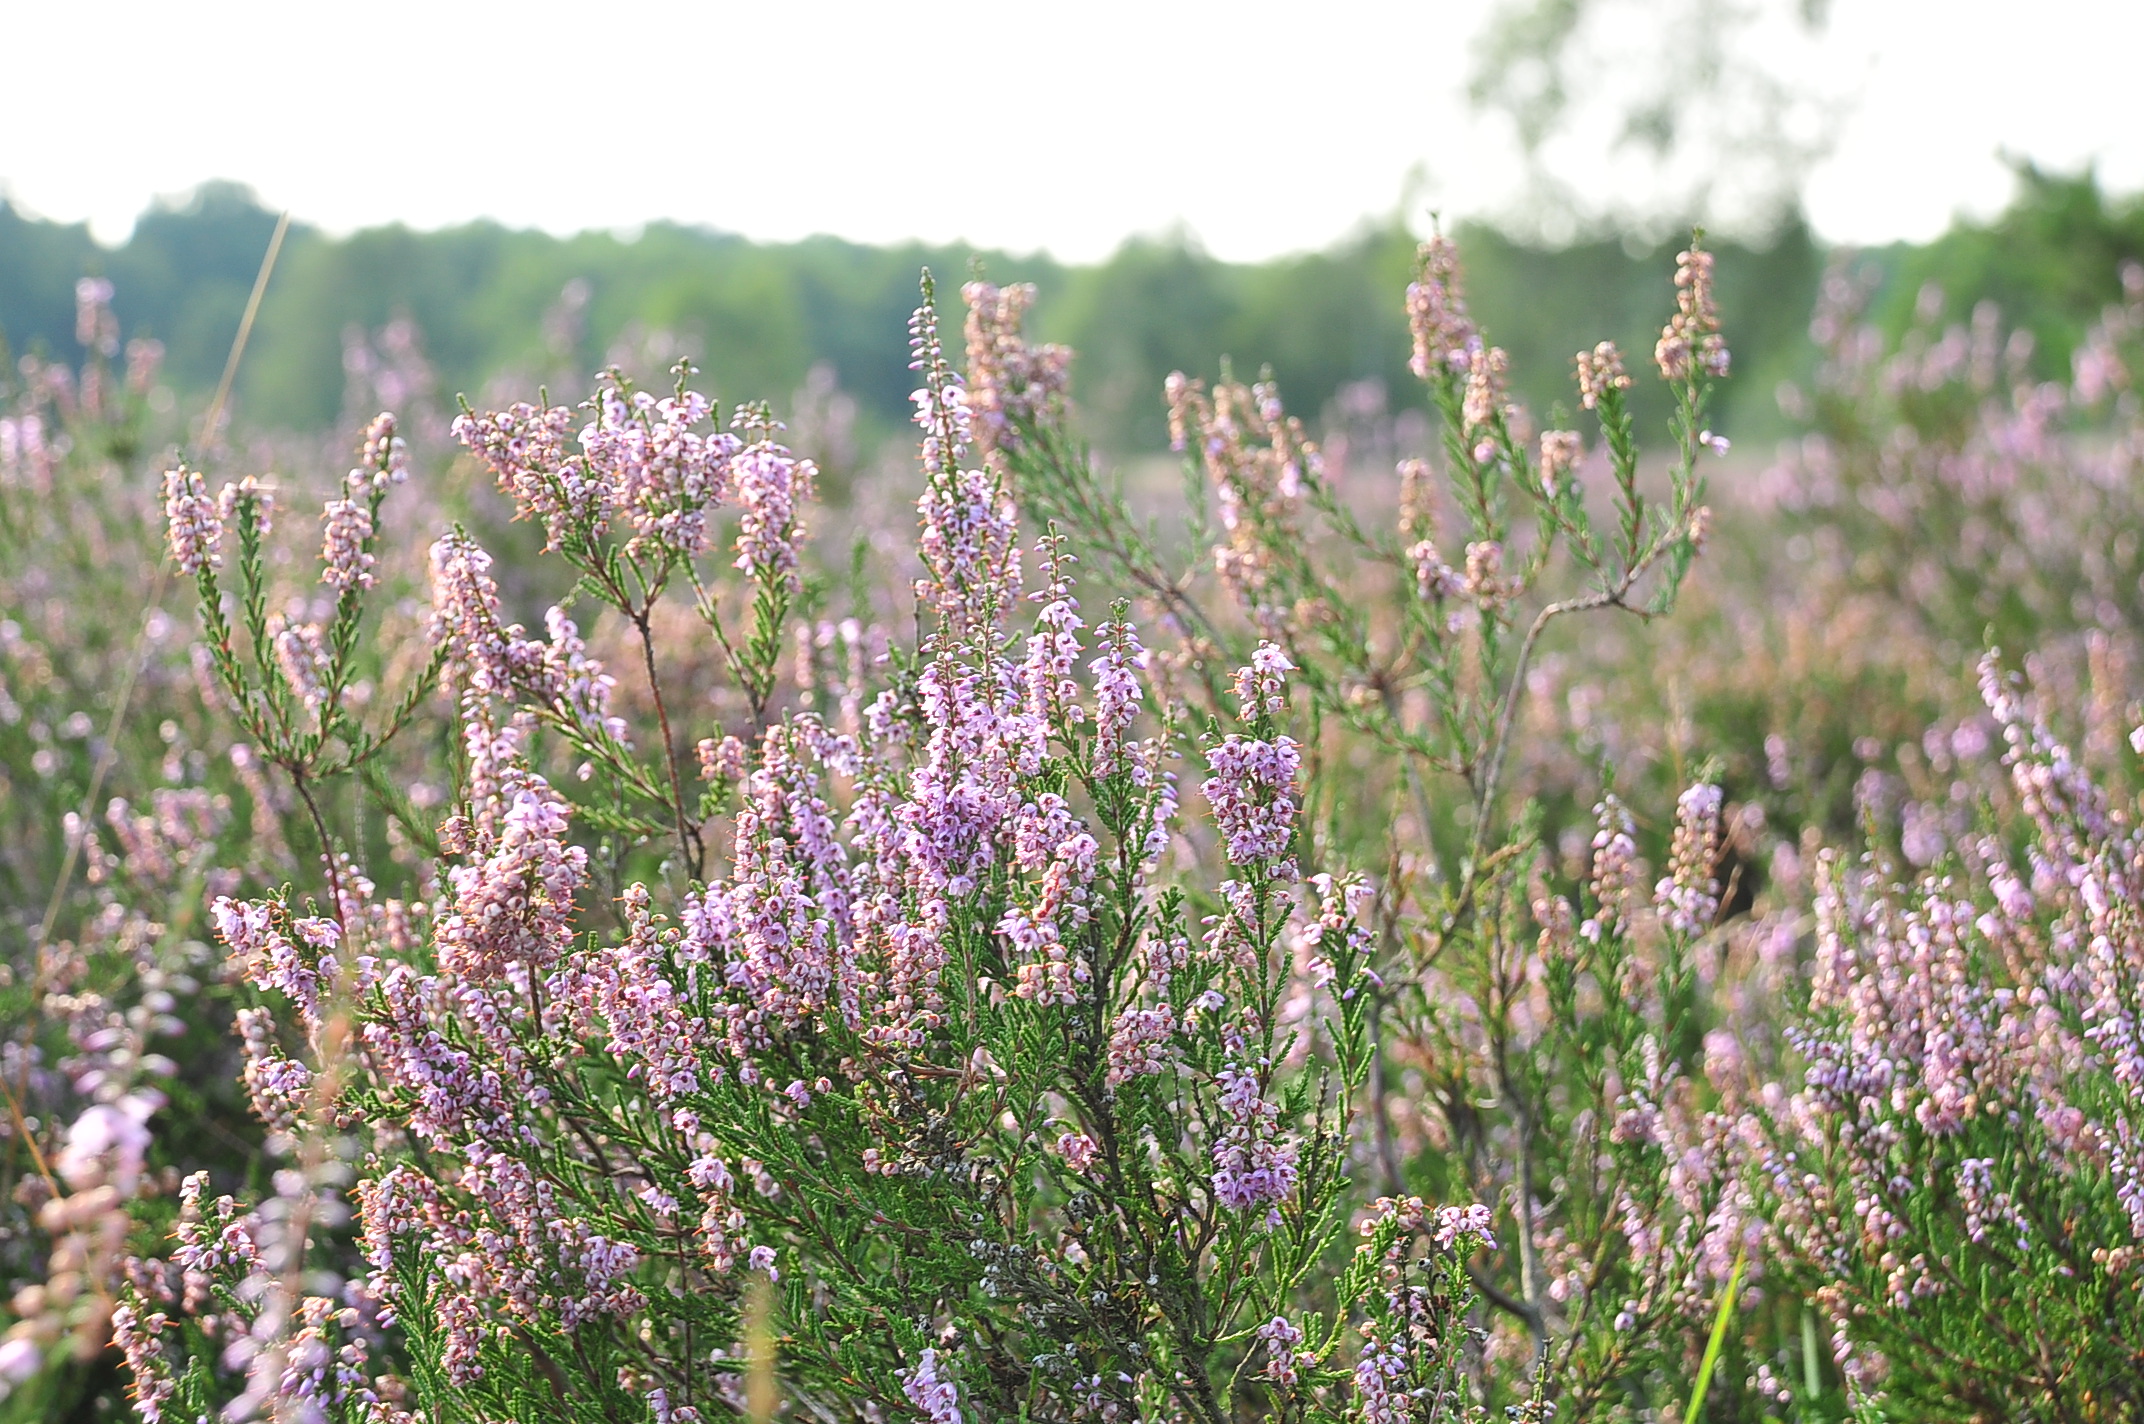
x: 1444, y: 337
x: 1261, y: 464
x: 1692, y: 336
x: 1688, y: 896
x: 1011, y: 384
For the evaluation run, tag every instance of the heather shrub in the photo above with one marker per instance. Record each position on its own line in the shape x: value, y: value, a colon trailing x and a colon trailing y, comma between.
x: 984, y: 1082
x: 1952, y: 1174
x: 1968, y: 493
x: 1539, y: 1015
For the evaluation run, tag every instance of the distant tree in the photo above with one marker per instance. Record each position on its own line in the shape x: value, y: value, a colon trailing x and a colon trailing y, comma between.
x: 1693, y: 108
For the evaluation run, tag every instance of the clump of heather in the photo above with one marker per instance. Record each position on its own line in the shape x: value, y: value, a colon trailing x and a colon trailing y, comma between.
x: 1540, y: 1048
x: 1952, y: 1178
x: 1962, y: 491
x: 949, y: 1055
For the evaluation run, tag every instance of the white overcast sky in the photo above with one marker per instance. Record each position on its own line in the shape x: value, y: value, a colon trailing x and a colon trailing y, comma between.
x: 1058, y: 124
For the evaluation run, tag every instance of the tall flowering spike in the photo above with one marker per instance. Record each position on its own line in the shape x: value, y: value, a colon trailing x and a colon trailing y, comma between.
x: 465, y: 614
x: 345, y: 562
x: 1613, y: 876
x: 970, y: 539
x: 964, y: 791
x: 1692, y: 335
x: 970, y: 545
x: 1437, y: 311
x: 1253, y: 1163
x: 1054, y: 848
x: 1261, y: 463
x: 1009, y: 381
x: 1119, y: 688
x: 95, y: 326
x: 194, y: 521
x: 498, y: 662
x: 941, y: 403
x: 770, y: 485
x: 1253, y: 789
x: 572, y: 682
x: 787, y: 793
x: 1688, y: 896
x: 301, y: 653
x: 1485, y: 393
x: 1052, y: 651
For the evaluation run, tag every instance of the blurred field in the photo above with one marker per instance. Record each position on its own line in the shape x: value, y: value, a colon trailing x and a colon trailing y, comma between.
x: 488, y: 309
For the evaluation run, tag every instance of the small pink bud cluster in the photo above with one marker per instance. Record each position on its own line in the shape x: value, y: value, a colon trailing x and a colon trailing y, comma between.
x: 1560, y: 453
x: 1262, y: 687
x: 721, y: 759
x: 1600, y: 371
x: 1434, y: 578
x: 1285, y: 1358
x: 936, y: 1398
x: 1485, y: 397
x: 345, y: 560
x: 385, y: 453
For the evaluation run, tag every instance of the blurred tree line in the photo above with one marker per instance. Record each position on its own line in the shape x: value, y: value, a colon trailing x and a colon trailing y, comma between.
x: 485, y: 301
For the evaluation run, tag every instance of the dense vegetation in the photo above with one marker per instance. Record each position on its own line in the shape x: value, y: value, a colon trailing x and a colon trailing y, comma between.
x: 1493, y: 903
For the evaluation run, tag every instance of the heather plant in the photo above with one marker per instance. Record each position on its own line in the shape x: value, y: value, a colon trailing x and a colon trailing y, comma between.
x: 984, y: 1084
x: 1951, y: 1175
x: 1537, y: 1049
x: 130, y: 806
